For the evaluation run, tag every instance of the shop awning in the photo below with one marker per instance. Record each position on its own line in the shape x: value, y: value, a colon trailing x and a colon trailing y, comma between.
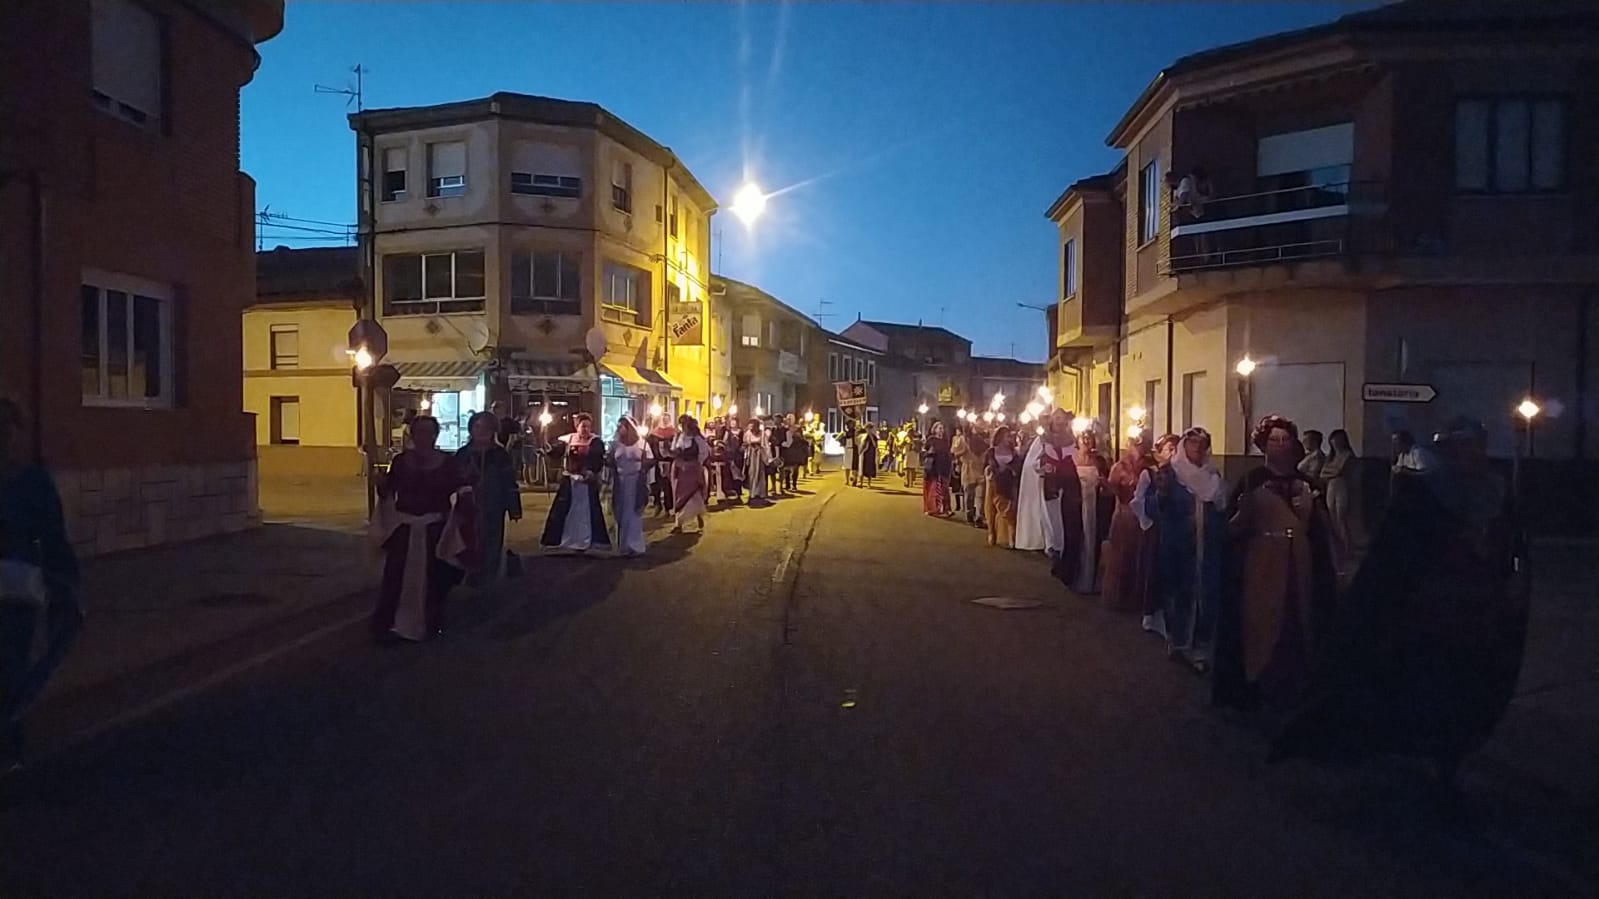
x: 548, y: 374
x: 642, y: 380
x: 452, y: 374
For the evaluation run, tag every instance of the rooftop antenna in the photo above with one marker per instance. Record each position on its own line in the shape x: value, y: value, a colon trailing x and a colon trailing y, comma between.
x: 262, y: 218
x: 721, y: 247
x: 821, y: 309
x: 354, y: 93
x: 941, y: 315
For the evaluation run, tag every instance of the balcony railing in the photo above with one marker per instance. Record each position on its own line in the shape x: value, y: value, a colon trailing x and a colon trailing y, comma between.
x: 1272, y: 226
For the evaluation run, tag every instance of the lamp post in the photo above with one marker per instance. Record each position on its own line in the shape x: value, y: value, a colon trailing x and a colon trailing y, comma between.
x: 1246, y: 396
x: 1528, y: 410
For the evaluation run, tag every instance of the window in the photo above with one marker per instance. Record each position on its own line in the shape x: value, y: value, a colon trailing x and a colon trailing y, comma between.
x: 1068, y: 267
x: 835, y: 421
x: 1193, y: 385
x: 626, y: 292
x: 671, y: 217
x: 1148, y: 202
x: 871, y: 372
x: 674, y: 293
x: 431, y: 283
x: 285, y: 423
x: 395, y: 160
x: 126, y: 345
x: 534, y: 184
x: 1510, y: 144
x: 622, y: 186
x: 546, y: 282
x: 750, y: 333
x: 126, y: 42
x: 447, y: 169
x: 285, y: 346
x: 1151, y: 402
x: 860, y: 369
x: 832, y: 366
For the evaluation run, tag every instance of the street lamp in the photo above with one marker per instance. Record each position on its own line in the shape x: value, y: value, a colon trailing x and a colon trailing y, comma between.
x: 363, y: 358
x: 1246, y: 396
x: 749, y: 203
x: 1529, y: 410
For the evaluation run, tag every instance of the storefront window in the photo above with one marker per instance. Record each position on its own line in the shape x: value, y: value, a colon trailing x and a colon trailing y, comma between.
x: 615, y: 402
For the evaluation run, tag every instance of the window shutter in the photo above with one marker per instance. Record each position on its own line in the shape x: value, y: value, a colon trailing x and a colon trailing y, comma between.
x: 448, y: 159
x: 126, y: 62
x: 394, y: 159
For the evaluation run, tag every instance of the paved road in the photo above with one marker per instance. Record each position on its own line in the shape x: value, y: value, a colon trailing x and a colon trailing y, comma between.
x: 802, y: 702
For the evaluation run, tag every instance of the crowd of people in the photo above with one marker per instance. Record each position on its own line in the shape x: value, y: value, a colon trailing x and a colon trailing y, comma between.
x: 1417, y: 652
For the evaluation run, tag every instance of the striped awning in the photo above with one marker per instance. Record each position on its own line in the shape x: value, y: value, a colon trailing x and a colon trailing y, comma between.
x: 642, y: 380
x: 548, y: 374
x: 440, y: 375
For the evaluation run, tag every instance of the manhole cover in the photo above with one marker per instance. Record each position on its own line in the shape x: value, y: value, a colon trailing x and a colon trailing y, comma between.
x: 1008, y: 602
x: 229, y: 600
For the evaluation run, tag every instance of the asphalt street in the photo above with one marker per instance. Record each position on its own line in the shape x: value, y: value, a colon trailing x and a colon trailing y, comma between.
x: 802, y: 702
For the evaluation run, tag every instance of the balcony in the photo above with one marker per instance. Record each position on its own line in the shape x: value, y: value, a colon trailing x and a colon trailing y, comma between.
x: 1275, y: 226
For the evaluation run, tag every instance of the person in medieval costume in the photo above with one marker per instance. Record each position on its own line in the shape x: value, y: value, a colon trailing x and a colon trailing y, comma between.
x: 1037, y: 523
x: 1129, y: 563
x: 630, y: 460
x: 866, y: 458
x: 1281, y: 580
x: 690, y: 452
x: 1191, y: 508
x: 491, y: 472
x: 658, y: 441
x: 423, y: 503
x: 755, y: 463
x: 576, y: 521
x: 733, y: 445
x: 1092, y: 471
x: 1426, y: 646
x: 1002, y: 467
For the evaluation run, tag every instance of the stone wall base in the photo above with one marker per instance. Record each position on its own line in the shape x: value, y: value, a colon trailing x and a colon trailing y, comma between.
x: 114, y: 509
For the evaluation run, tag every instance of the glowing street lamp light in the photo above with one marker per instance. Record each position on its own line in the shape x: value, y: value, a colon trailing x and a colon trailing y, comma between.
x: 922, y: 409
x: 749, y: 203
x: 1528, y: 409
x: 363, y: 359
x: 1246, y: 367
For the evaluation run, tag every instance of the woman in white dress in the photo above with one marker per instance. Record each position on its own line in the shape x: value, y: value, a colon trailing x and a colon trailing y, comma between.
x: 577, y: 522
x: 1093, y: 470
x: 1038, y: 518
x: 631, y: 461
x: 755, y: 463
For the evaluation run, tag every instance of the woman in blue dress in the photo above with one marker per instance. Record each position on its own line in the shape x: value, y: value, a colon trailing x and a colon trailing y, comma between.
x: 1189, y: 504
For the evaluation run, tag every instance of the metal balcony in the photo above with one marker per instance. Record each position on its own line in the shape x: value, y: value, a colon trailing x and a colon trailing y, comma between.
x: 1271, y: 226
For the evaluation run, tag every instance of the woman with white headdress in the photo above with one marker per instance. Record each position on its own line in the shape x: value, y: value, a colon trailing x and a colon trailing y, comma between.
x: 1092, y: 471
x: 1040, y: 525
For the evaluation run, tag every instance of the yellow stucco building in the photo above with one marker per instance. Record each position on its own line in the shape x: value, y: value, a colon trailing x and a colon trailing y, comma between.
x: 504, y: 232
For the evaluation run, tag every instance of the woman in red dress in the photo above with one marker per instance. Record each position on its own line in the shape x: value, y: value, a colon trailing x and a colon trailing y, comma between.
x: 1129, y: 563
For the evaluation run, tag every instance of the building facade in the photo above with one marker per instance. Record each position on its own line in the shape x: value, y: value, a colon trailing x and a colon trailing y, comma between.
x: 507, y: 234
x: 297, y: 367
x: 126, y: 234
x: 849, y: 361
x: 1348, y: 206
x: 772, y: 343
x: 932, y: 366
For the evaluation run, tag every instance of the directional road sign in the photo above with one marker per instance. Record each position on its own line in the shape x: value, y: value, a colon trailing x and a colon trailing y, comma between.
x: 1398, y: 393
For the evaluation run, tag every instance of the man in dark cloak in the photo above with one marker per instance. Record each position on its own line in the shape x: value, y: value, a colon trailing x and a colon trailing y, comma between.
x: 1427, y: 646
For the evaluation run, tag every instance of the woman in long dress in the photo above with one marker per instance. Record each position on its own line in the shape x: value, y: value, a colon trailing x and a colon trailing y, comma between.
x: 867, y: 457
x: 1337, y: 473
x: 1038, y: 519
x: 690, y: 452
x: 630, y: 460
x: 491, y: 472
x: 576, y: 522
x: 938, y: 466
x: 417, y: 492
x: 1191, y: 503
x: 1129, y: 565
x: 1091, y: 473
x: 755, y: 463
x: 1002, y: 467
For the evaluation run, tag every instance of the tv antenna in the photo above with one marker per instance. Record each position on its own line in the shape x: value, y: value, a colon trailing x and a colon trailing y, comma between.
x: 821, y: 310
x: 354, y: 93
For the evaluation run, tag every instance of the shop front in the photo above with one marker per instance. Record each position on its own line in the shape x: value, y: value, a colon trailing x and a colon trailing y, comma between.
x: 450, y: 391
x: 635, y: 392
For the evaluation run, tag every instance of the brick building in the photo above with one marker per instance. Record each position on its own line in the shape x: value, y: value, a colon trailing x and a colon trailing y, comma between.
x: 125, y: 244
x: 1398, y: 196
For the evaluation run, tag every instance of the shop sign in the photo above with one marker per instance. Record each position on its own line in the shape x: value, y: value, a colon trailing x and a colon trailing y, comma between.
x: 686, y: 323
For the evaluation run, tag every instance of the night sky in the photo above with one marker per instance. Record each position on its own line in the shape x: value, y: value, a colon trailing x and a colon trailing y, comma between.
x: 911, y: 149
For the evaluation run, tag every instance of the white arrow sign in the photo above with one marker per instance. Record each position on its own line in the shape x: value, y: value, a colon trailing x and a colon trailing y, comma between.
x: 1398, y: 393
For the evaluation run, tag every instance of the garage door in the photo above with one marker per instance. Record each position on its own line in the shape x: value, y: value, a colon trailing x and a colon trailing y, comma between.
x: 1310, y: 394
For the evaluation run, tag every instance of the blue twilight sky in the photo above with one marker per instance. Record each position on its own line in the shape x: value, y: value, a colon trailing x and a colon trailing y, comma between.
x: 911, y: 148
